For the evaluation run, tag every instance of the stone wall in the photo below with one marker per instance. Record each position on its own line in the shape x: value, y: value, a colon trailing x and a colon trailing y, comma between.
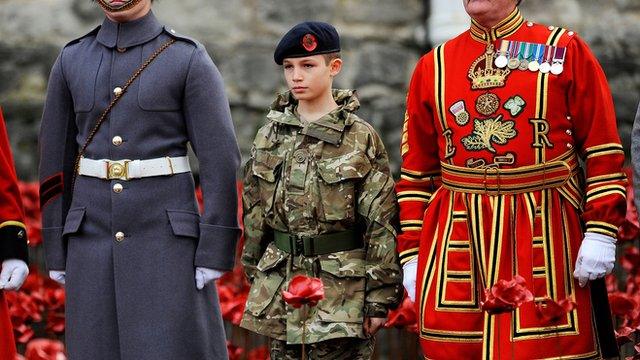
x: 379, y: 38
x: 382, y: 39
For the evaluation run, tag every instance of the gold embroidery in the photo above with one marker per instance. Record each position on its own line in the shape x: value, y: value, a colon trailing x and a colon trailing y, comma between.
x: 489, y: 131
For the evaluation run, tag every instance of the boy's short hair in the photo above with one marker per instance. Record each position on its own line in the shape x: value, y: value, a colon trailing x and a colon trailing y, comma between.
x: 331, y: 56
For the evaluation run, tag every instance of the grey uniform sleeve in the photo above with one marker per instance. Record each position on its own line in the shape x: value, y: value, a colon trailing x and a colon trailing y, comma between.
x: 635, y: 157
x: 212, y: 137
x: 58, y: 149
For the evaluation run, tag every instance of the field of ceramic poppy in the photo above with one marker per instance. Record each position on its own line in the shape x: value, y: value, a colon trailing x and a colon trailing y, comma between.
x: 37, y: 310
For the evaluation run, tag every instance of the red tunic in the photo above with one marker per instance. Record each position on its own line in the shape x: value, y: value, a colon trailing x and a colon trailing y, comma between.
x: 491, y: 187
x: 13, y: 244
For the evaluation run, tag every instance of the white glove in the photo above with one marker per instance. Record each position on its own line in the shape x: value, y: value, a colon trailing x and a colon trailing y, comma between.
x: 410, y: 269
x: 58, y: 276
x: 205, y: 275
x: 14, y: 273
x: 596, y: 257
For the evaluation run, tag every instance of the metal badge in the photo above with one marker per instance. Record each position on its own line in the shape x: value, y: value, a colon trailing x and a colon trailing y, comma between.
x: 460, y: 112
x: 502, y: 61
x: 558, y: 61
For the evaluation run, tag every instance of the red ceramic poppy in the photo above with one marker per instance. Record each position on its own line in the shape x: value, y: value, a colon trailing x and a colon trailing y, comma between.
x: 235, y: 352
x: 260, y: 353
x: 303, y: 290
x: 403, y: 317
x: 45, y: 349
x: 622, y: 304
x: 551, y: 311
x: 506, y: 296
x: 624, y: 334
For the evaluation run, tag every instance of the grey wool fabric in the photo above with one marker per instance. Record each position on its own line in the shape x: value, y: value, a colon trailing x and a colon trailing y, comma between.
x: 135, y: 297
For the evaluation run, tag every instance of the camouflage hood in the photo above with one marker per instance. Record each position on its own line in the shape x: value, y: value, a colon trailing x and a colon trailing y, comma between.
x: 346, y: 99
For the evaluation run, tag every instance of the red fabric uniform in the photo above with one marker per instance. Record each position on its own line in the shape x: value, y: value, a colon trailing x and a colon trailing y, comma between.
x: 13, y: 236
x: 491, y: 187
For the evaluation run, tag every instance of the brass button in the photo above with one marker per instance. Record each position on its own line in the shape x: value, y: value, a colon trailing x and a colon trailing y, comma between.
x: 117, y: 91
x: 569, y: 146
x: 119, y: 236
x: 117, y: 188
x: 117, y: 140
x: 569, y: 132
x: 121, y: 50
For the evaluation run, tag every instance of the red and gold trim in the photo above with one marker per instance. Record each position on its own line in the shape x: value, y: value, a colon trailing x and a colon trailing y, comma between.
x: 603, y: 228
x: 13, y: 241
x: 504, y: 28
x: 510, y: 181
x: 602, y: 150
x: 408, y: 255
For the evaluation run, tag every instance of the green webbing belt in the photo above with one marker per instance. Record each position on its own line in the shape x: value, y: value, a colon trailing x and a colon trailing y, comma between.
x: 317, y: 244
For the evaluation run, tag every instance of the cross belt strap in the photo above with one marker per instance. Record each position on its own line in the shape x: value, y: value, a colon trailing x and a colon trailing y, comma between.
x: 133, y: 169
x: 317, y: 244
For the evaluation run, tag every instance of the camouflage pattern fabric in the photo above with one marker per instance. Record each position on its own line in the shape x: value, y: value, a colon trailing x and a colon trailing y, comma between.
x: 326, y: 176
x: 336, y: 349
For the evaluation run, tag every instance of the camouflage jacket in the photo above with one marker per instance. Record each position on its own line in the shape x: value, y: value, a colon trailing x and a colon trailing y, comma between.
x: 327, y: 176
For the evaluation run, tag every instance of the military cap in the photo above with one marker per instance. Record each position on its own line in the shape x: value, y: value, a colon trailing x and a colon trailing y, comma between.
x: 307, y: 39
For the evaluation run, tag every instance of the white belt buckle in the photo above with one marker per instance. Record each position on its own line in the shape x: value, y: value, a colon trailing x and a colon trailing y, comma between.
x: 118, y: 169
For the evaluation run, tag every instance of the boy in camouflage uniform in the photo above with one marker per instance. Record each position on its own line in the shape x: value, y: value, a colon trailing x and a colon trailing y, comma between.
x: 318, y: 200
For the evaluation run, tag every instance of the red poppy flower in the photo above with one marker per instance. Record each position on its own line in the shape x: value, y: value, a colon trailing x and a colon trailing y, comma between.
x: 45, y: 349
x: 624, y: 334
x: 551, y: 311
x: 309, y: 42
x: 260, y: 353
x: 23, y: 333
x: 235, y: 352
x: 622, y: 305
x: 506, y: 296
x: 55, y: 322
x: 403, y: 317
x: 630, y: 261
x: 303, y: 290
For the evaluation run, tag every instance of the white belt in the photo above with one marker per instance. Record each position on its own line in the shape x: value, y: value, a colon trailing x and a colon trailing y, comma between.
x: 132, y: 169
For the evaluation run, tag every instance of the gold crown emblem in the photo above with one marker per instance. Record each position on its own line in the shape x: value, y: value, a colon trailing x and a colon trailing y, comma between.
x: 484, y: 75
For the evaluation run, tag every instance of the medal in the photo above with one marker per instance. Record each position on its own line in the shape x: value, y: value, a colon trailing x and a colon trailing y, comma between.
x: 524, y: 62
x: 558, y: 61
x: 545, y: 66
x: 501, y: 61
x: 513, y: 55
x: 460, y: 112
x: 538, y: 51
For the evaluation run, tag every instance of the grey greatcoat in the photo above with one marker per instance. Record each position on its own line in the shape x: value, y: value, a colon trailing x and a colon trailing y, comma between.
x: 135, y: 297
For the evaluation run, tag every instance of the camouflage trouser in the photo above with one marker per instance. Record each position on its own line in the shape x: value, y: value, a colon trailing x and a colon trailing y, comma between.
x: 334, y: 349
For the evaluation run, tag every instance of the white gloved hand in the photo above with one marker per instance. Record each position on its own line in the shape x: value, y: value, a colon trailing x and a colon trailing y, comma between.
x: 410, y: 270
x: 14, y: 273
x: 205, y: 275
x: 58, y: 276
x: 596, y: 257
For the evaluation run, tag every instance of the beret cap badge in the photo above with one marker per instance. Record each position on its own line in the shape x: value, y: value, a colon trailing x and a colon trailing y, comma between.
x: 309, y: 42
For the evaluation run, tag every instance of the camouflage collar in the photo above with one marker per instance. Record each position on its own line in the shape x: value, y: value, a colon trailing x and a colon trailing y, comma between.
x: 124, y: 35
x: 330, y: 127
